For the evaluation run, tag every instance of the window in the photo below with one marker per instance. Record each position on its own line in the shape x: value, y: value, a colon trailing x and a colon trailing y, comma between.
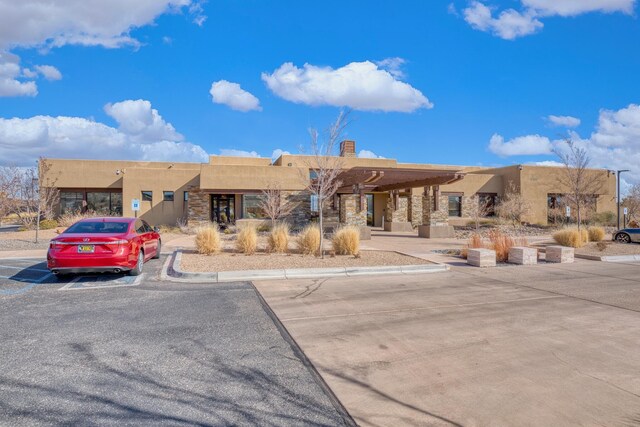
x: 314, y: 203
x: 185, y: 196
x: 167, y: 196
x: 98, y: 227
x: 251, y: 206
x: 487, y: 204
x: 70, y: 202
x: 147, y: 227
x: 455, y: 206
x: 147, y: 196
x: 140, y: 228
x: 104, y: 202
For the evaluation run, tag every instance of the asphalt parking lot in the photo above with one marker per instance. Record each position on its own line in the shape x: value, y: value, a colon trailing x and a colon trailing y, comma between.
x: 115, y: 349
x: 546, y: 345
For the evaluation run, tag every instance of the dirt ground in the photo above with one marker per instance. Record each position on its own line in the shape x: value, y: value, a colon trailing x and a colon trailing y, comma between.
x: 228, y: 261
x: 612, y: 248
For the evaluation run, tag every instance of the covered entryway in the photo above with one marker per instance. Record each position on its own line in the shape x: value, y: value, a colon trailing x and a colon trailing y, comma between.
x: 223, y: 208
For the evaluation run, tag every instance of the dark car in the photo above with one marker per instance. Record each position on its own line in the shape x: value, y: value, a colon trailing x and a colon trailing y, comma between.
x: 627, y: 235
x: 104, y: 245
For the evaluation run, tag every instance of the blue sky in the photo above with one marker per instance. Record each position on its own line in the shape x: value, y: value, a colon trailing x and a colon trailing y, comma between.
x: 494, y: 71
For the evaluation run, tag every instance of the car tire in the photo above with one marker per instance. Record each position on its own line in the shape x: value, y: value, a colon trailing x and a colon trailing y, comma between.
x: 158, y: 249
x: 137, y: 270
x: 623, y: 238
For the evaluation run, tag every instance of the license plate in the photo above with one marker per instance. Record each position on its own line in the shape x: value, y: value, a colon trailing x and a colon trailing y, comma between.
x: 86, y: 249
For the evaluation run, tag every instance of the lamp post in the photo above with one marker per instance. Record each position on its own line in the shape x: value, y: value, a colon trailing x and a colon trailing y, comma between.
x: 36, y: 186
x: 618, y: 186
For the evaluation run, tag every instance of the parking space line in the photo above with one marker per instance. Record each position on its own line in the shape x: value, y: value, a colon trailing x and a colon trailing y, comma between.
x: 69, y: 286
x: 11, y: 267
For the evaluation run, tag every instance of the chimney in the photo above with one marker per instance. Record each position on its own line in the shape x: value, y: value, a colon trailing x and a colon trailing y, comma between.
x: 347, y: 148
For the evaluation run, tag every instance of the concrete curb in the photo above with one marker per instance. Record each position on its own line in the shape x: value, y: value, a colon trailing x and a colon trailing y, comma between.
x: 294, y: 273
x: 611, y: 258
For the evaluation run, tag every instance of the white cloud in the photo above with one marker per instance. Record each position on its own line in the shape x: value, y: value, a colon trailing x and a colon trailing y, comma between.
x: 147, y: 137
x: 36, y: 23
x: 233, y: 96
x: 548, y: 163
x: 520, y: 146
x: 46, y: 24
x: 358, y: 85
x: 511, y: 24
x: 137, y: 119
x: 614, y: 144
x: 366, y: 154
x: 232, y: 152
x: 577, y: 7
x: 393, y: 66
x: 49, y: 72
x: 277, y: 153
x: 10, y: 77
x: 564, y: 121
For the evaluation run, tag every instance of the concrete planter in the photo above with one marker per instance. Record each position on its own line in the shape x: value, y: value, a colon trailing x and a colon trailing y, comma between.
x: 560, y: 254
x: 481, y: 257
x: 523, y: 255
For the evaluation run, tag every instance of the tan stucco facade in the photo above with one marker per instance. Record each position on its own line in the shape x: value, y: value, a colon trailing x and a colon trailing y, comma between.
x: 235, y: 177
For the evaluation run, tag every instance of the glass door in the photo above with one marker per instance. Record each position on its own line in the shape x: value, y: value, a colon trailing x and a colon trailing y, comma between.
x: 223, y: 208
x: 370, y: 218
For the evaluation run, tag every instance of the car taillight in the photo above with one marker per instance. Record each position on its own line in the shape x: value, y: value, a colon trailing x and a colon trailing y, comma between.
x: 118, y: 242
x: 53, y: 244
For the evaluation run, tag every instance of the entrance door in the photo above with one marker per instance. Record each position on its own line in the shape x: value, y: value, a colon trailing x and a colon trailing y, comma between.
x: 370, y: 218
x: 223, y: 208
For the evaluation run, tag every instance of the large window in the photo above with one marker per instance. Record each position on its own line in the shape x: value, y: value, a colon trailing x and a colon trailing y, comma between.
x: 251, y: 206
x: 487, y: 204
x: 71, y: 202
x: 455, y: 206
x: 314, y: 204
x: 147, y: 196
x: 104, y: 203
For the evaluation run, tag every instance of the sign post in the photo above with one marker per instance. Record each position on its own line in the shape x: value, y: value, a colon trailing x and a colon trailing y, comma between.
x: 135, y: 206
x: 624, y: 221
x: 568, y: 209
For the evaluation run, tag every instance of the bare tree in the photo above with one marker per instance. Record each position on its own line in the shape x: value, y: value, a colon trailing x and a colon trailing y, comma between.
x: 632, y: 203
x: 274, y: 203
x: 28, y: 193
x: 513, y: 206
x: 323, y: 167
x: 582, y: 183
x: 480, y: 210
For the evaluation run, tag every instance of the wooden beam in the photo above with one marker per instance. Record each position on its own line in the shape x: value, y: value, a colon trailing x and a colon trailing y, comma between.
x: 436, y: 180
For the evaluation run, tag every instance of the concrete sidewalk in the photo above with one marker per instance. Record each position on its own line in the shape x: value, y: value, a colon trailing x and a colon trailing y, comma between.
x: 32, y: 253
x: 546, y: 345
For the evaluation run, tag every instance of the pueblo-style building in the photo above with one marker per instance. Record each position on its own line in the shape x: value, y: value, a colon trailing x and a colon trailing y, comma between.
x: 374, y: 192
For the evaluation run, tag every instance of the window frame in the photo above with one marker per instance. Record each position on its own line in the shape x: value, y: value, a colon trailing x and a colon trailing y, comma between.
x: 458, y: 212
x: 168, y: 196
x: 146, y: 197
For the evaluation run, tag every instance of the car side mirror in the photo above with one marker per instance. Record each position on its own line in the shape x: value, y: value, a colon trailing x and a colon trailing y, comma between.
x: 156, y: 229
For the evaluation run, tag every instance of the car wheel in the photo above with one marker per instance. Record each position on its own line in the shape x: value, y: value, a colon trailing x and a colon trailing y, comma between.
x: 158, y: 249
x: 623, y: 238
x: 137, y: 270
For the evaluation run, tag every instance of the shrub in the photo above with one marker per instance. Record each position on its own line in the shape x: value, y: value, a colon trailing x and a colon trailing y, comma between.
x: 208, y: 240
x: 502, y: 243
x: 48, y: 224
x: 309, y: 240
x: 70, y: 218
x: 633, y: 224
x: 604, y: 218
x: 278, y: 240
x: 572, y: 237
x: 183, y: 225
x: 346, y: 240
x: 247, y: 240
x: 596, y: 234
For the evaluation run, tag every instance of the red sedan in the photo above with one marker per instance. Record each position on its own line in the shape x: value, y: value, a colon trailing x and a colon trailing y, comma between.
x: 104, y: 245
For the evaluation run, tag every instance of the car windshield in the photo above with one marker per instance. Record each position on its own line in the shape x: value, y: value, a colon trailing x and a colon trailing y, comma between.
x: 98, y: 227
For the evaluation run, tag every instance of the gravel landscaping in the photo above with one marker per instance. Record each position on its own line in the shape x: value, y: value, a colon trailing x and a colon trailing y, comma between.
x: 612, y: 248
x: 228, y: 261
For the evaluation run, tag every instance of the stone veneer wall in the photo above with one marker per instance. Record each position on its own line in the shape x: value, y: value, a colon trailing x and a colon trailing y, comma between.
x: 415, y: 210
x: 469, y: 205
x: 349, y: 210
x: 431, y: 217
x: 199, y: 207
x: 401, y: 212
x: 301, y: 214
